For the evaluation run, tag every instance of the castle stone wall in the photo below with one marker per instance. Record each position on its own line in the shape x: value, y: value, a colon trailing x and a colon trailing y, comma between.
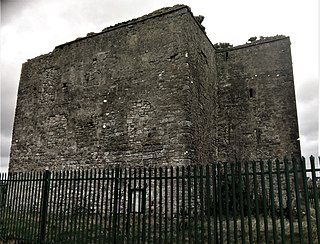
x: 153, y: 91
x: 257, y: 108
x: 129, y: 96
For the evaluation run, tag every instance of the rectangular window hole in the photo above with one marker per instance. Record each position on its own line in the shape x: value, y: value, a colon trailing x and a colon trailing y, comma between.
x: 251, y: 93
x: 226, y: 56
x: 137, y: 200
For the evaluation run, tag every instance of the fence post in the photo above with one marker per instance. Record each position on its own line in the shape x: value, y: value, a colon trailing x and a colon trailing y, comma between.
x: 115, y: 209
x: 44, y: 205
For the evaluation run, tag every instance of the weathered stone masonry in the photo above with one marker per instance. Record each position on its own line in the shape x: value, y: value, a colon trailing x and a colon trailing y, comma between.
x: 153, y: 91
x: 257, y: 109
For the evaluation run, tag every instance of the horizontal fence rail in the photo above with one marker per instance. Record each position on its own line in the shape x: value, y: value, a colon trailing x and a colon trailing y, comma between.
x: 251, y: 202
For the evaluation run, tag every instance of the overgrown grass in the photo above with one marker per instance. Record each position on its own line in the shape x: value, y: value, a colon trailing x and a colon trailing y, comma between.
x: 129, y: 228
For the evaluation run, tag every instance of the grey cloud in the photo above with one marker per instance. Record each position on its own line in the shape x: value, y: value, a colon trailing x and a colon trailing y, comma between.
x: 310, y: 148
x: 308, y: 118
x: 4, y: 164
x: 9, y: 87
x: 307, y: 90
x: 12, y: 8
x: 5, y: 146
x: 80, y: 15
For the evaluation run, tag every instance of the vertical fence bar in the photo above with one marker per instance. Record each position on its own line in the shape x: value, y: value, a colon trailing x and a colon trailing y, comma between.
x: 201, y: 202
x: 20, y: 225
x: 77, y: 217
x: 111, y: 193
x: 107, y: 207
x: 3, y: 200
x: 140, y: 206
x: 88, y: 200
x: 24, y: 206
x: 234, y: 203
x: 15, y: 206
x: 248, y: 191
x: 208, y: 201
x: 149, y: 205
x: 144, y: 205
x: 243, y: 232
x: 125, y: 204
x: 297, y: 191
x: 166, y: 205
x: 115, y: 207
x: 171, y: 204
x: 226, y: 193
x: 29, y: 203
x: 160, y: 205
x: 178, y: 206
x: 15, y: 202
x: 220, y: 207
x: 134, y: 205
x: 44, y: 205
x: 60, y: 213
x: 37, y: 205
x: 67, y: 209
x: 306, y: 195
x: 75, y: 198
x: 183, y: 225
x: 96, y: 203
x: 129, y: 206
x: 189, y: 203
x: 271, y: 195
x: 57, y: 206
x: 8, y: 204
x: 214, y: 204
x: 279, y: 181
x: 155, y: 207
x: 119, y: 231
x: 122, y: 204
x: 265, y: 200
x: 50, y: 209
x: 289, y: 203
x: 84, y: 211
x: 257, y: 197
x: 316, y: 194
x: 102, y: 210
x: 195, y: 175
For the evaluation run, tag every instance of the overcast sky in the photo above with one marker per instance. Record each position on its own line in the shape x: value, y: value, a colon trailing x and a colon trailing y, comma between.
x: 30, y: 28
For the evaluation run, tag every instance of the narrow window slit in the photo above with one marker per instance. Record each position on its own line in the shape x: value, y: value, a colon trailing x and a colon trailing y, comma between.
x: 251, y: 93
x: 226, y: 56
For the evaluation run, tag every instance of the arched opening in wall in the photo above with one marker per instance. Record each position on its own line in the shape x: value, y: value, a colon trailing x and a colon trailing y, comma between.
x: 252, y: 93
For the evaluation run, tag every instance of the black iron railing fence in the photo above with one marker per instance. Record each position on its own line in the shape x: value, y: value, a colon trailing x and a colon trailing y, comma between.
x: 254, y: 202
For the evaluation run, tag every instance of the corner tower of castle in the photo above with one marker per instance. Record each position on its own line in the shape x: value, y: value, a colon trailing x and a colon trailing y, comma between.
x: 154, y: 91
x: 257, y: 116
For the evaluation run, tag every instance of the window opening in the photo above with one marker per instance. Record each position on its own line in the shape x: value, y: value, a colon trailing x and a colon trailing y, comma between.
x: 251, y: 93
x: 137, y: 200
x: 226, y: 56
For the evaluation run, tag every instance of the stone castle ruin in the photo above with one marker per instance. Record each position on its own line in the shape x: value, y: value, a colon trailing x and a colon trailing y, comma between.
x: 154, y: 91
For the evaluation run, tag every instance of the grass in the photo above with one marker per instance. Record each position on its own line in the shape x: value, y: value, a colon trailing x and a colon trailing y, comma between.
x: 97, y: 228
